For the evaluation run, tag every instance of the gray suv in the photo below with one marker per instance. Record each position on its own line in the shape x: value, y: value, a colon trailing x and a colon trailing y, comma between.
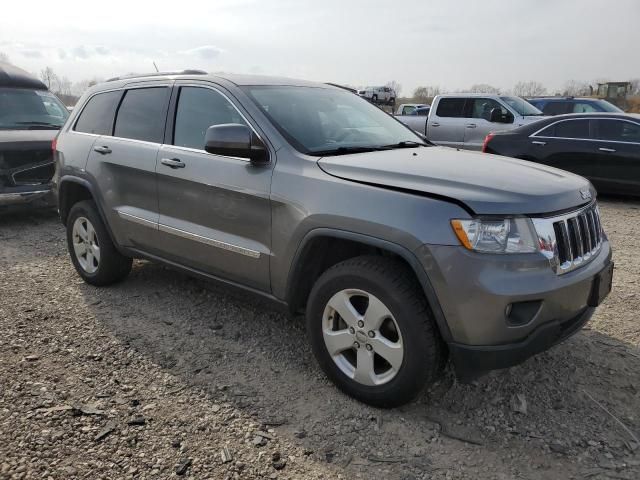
x: 403, y: 255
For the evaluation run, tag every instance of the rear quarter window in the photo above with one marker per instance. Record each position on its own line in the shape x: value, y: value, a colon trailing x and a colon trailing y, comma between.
x: 97, y: 115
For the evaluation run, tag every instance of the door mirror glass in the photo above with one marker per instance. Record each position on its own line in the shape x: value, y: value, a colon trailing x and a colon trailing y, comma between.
x: 235, y: 140
x: 498, y: 116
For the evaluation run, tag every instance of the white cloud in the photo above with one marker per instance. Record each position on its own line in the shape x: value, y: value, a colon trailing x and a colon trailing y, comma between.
x: 205, y: 52
x: 359, y: 42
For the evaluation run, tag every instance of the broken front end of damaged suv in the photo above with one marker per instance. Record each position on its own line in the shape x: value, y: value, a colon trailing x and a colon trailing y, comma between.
x: 30, y: 117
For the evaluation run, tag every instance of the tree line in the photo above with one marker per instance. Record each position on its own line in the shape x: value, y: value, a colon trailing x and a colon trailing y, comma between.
x: 69, y: 91
x: 572, y: 88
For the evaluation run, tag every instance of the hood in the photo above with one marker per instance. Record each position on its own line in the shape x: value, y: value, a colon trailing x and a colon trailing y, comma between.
x: 23, y: 139
x: 485, y: 184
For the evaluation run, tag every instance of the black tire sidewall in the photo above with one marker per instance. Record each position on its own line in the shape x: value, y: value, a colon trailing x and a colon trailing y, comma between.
x: 415, y: 369
x: 112, y: 265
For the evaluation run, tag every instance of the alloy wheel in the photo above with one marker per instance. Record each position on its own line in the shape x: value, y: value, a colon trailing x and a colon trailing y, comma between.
x: 362, y: 337
x: 85, y: 245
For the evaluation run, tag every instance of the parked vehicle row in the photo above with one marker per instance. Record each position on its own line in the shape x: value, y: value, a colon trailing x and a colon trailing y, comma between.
x: 400, y: 253
x: 30, y: 117
x: 464, y: 120
x: 603, y: 147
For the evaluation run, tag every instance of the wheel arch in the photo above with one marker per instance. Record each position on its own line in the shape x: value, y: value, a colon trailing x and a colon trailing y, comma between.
x: 322, y: 248
x: 72, y: 190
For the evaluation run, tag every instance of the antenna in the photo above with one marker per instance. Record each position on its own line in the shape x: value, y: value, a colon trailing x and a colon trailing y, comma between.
x: 155, y: 66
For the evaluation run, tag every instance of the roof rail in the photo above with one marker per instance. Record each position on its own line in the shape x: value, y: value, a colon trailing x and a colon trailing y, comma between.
x: 157, y: 74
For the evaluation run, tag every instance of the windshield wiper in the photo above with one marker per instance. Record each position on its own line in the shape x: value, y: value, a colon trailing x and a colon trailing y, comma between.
x: 39, y: 124
x: 406, y: 144
x: 348, y: 150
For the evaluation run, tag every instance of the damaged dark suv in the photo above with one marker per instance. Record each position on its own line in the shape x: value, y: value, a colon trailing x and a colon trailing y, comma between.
x: 30, y: 117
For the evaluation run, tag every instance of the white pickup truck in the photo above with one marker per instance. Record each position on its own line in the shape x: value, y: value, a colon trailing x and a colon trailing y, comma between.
x: 464, y: 120
x: 379, y: 95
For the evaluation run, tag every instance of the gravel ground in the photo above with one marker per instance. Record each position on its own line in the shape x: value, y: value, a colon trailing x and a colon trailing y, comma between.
x: 166, y: 376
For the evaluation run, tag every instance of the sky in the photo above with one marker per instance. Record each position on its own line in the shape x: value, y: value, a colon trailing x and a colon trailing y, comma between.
x: 450, y: 43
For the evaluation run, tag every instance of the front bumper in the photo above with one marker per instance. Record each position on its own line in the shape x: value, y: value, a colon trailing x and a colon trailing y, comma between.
x: 39, y: 195
x: 477, y: 292
x: 471, y: 361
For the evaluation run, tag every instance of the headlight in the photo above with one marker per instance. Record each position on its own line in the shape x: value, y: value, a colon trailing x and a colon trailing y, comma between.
x: 508, y: 235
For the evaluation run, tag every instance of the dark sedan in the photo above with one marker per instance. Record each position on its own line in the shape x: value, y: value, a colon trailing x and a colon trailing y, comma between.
x: 603, y: 147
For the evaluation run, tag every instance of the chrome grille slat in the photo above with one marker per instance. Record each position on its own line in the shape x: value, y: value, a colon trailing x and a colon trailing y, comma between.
x: 577, y: 237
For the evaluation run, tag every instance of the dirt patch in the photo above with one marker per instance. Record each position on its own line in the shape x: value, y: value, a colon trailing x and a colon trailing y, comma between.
x: 156, y: 376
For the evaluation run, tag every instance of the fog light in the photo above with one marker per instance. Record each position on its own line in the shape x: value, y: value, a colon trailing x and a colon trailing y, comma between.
x: 519, y: 314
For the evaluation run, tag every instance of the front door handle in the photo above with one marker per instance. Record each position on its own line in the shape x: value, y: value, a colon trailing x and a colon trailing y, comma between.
x: 538, y: 142
x: 607, y: 150
x: 104, y: 150
x: 435, y: 124
x: 471, y: 125
x: 172, y: 162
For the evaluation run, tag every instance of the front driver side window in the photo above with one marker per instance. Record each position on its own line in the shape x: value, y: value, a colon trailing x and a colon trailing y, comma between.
x: 482, y: 108
x: 198, y: 109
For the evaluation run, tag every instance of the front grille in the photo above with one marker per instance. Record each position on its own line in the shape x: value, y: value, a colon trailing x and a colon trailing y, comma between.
x: 16, y: 159
x: 35, y: 175
x: 571, y: 240
x: 26, y: 167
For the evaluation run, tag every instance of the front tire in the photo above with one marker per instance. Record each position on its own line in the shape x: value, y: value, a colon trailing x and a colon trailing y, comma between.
x: 93, y: 254
x: 371, y: 331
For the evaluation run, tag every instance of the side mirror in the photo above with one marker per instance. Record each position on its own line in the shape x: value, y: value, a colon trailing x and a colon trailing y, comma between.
x: 498, y: 117
x: 235, y: 140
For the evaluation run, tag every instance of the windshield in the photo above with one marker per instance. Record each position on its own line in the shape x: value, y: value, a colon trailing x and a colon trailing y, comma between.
x: 521, y: 106
x: 322, y: 121
x: 22, y: 109
x: 608, y: 107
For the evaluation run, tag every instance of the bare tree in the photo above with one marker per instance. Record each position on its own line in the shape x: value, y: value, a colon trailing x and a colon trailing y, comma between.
x: 4, y: 58
x: 63, y: 86
x: 529, y: 89
x: 49, y: 77
x: 426, y: 93
x: 395, y: 86
x: 484, y: 88
x: 635, y: 86
x: 576, y: 88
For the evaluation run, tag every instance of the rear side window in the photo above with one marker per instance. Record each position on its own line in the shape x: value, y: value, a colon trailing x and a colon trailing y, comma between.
x: 451, y: 107
x: 97, y: 115
x: 198, y: 109
x: 142, y: 114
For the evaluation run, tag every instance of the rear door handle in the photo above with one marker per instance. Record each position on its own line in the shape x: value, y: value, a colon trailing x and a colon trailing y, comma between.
x: 471, y: 125
x: 172, y: 162
x: 538, y: 142
x: 435, y: 124
x: 608, y: 150
x: 104, y: 150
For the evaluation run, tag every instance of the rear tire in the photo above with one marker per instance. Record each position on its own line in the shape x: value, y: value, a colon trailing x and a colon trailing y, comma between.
x: 92, y: 252
x: 385, y: 362
x: 374, y: 98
